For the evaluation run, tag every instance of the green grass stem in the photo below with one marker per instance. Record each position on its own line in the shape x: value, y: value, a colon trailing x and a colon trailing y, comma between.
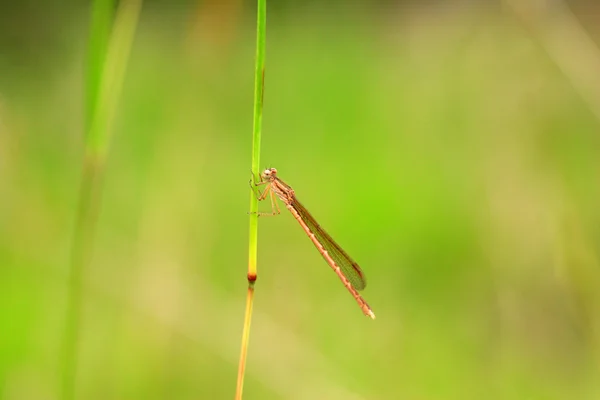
x: 107, y: 60
x: 259, y: 78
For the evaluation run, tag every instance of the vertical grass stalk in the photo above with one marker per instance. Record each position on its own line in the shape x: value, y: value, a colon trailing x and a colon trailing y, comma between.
x: 104, y: 77
x: 259, y: 85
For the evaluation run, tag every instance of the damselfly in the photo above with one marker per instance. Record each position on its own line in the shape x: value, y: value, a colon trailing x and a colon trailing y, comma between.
x: 345, y: 267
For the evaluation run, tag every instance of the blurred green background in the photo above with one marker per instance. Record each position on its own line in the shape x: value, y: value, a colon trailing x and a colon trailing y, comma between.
x: 442, y: 145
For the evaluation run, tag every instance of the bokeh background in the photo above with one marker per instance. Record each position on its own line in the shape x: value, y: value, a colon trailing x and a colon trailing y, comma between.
x: 451, y: 147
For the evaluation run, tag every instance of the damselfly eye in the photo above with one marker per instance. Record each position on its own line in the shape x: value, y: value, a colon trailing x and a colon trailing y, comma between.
x: 269, y: 172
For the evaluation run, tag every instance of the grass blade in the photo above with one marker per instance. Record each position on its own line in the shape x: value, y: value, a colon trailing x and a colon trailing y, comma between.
x: 259, y: 79
x: 106, y: 69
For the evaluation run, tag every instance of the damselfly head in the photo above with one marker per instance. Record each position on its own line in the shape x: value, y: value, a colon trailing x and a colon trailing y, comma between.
x: 269, y: 173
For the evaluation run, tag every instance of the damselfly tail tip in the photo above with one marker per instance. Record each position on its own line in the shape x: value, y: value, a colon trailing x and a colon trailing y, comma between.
x: 371, y: 314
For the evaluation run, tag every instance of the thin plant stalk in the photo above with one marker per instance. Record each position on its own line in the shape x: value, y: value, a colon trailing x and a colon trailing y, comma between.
x: 107, y: 60
x: 259, y: 80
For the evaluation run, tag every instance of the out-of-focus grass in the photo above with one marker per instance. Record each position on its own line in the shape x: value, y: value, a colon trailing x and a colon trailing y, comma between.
x: 96, y: 131
x: 445, y: 152
x: 105, y: 70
